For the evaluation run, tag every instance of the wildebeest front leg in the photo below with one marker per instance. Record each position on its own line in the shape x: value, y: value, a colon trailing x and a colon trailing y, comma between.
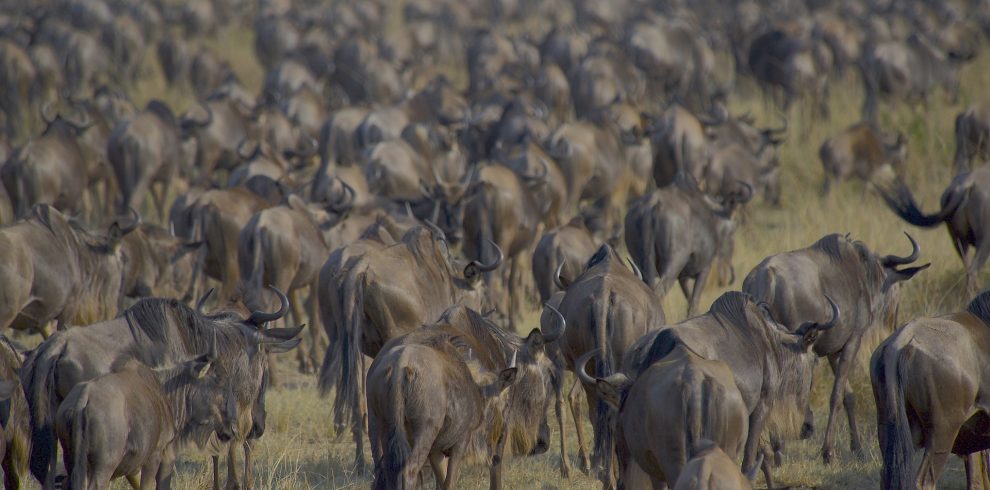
x: 319, y: 334
x: 248, y: 464
x: 841, y: 363
x: 216, y: 471
x: 296, y: 309
x: 495, y: 474
x: 575, y: 404
x: 973, y: 271
x: 565, y: 464
x: 699, y: 286
x: 454, y: 465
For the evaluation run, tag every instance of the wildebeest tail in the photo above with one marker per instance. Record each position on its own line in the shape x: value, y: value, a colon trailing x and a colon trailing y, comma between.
x: 605, y: 365
x: 345, y: 354
x: 900, y: 200
x: 38, y: 379
x: 896, y: 444
x: 395, y: 454
x: 78, y: 433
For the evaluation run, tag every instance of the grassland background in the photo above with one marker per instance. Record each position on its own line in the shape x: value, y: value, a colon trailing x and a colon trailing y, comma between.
x: 300, y: 448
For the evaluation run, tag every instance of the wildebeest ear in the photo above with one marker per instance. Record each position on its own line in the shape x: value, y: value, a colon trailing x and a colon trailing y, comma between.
x: 897, y: 275
x: 506, y: 378
x: 809, y: 334
x: 535, y: 340
x: 186, y: 248
x: 199, y: 368
x: 7, y: 389
x: 283, y: 347
x: 607, y: 392
x: 114, y: 233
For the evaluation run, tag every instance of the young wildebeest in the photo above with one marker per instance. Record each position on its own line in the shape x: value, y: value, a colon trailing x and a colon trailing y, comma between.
x: 384, y: 292
x: 930, y: 383
x: 861, y: 150
x: 156, y: 332
x: 133, y: 421
x: 965, y: 210
x: 437, y: 392
x: 607, y: 307
x: 710, y: 468
x: 676, y: 233
x: 15, y: 430
x: 772, y: 368
x: 860, y: 281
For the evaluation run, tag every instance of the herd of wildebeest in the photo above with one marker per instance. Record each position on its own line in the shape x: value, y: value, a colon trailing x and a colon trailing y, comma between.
x: 411, y: 177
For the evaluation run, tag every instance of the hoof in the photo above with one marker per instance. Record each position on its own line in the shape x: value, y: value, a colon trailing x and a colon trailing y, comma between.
x: 807, y: 430
x: 828, y: 456
x: 778, y: 459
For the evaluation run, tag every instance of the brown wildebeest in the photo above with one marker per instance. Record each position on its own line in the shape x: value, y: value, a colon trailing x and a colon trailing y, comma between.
x: 972, y: 135
x: 132, y: 422
x: 710, y: 468
x: 472, y: 361
x: 907, y: 70
x: 676, y: 233
x: 930, y: 384
x: 674, y: 402
x: 861, y: 150
x: 965, y: 210
x: 55, y: 270
x: 607, y: 307
x: 15, y: 429
x: 772, y: 367
x: 156, y: 263
x: 858, y: 280
x: 157, y: 332
x: 386, y: 292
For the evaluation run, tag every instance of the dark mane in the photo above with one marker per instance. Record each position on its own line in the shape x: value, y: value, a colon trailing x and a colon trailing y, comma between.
x: 170, y: 326
x: 832, y: 245
x: 733, y: 306
x: 473, y: 335
x: 980, y: 306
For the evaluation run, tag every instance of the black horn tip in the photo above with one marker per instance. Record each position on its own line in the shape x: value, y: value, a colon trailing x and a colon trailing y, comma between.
x: 259, y: 318
x: 202, y: 300
x: 561, y: 322
x: 579, y: 366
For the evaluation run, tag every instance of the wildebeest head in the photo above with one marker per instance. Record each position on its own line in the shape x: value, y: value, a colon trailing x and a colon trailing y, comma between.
x: 447, y: 198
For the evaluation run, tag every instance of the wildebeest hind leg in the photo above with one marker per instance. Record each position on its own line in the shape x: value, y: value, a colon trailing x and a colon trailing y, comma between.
x: 699, y: 286
x: 841, y: 363
x: 294, y: 307
x: 565, y: 463
x: 454, y: 464
x: 575, y: 404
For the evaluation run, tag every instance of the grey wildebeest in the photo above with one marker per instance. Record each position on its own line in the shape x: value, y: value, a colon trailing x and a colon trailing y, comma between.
x: 472, y: 361
x: 929, y: 382
x: 907, y: 71
x: 383, y: 293
x: 972, y: 135
x: 965, y: 210
x: 15, y: 430
x: 561, y: 252
x: 772, y: 367
x: 156, y: 263
x: 858, y: 280
x: 861, y: 150
x: 144, y: 150
x: 50, y: 169
x: 710, y: 468
x: 607, y: 307
x: 667, y: 407
x: 284, y: 246
x: 133, y: 421
x: 55, y: 270
x: 157, y: 332
x: 676, y: 233
x: 795, y: 66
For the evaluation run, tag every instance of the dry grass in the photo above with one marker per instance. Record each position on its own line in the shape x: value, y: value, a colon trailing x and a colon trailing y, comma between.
x: 300, y: 449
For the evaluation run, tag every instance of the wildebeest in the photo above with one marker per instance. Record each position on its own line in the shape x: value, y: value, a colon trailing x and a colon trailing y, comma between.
x: 710, y: 468
x: 157, y: 332
x: 51, y: 169
x: 132, y: 422
x: 772, y: 367
x: 669, y: 406
x: 384, y: 293
x: 156, y: 263
x: 607, y: 308
x: 56, y: 270
x: 929, y: 384
x: 796, y: 66
x: 561, y: 252
x: 907, y: 71
x: 861, y: 150
x: 861, y: 282
x: 965, y: 210
x: 972, y: 135
x: 15, y: 430
x: 676, y: 233
x: 436, y: 392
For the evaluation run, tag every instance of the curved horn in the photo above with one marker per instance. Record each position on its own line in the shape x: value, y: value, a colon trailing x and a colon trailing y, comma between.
x: 579, y: 365
x: 259, y: 318
x: 494, y: 265
x: 835, y: 315
x: 46, y: 113
x: 893, y: 260
x: 555, y: 334
x: 556, y: 278
x: 81, y: 124
x: 714, y: 119
x: 135, y: 222
x: 212, y: 353
x: 512, y: 363
x: 439, y: 234
x: 436, y: 175
x: 540, y: 177
x: 254, y: 151
x: 205, y: 122
x: 346, y: 201
x: 635, y: 268
x: 202, y: 301
x: 748, y: 192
